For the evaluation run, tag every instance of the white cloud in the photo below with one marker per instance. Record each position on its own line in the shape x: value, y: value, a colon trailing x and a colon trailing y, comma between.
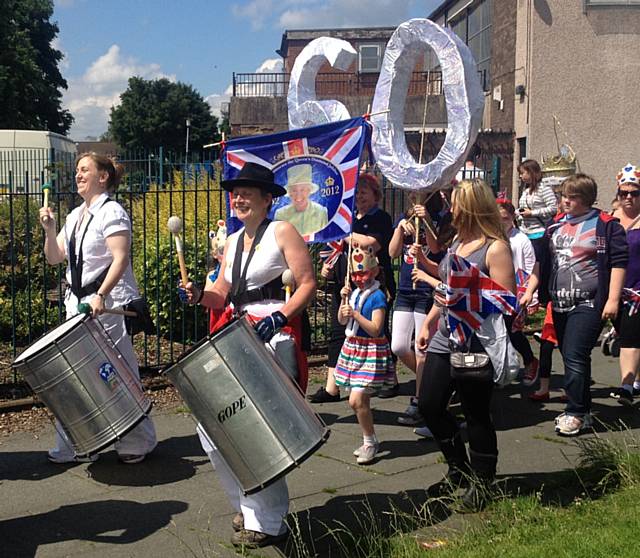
x: 91, y: 96
x: 320, y: 14
x: 347, y: 13
x: 56, y: 44
x: 256, y: 11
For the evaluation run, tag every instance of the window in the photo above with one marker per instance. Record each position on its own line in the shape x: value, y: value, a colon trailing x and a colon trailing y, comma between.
x: 473, y: 25
x: 369, y: 58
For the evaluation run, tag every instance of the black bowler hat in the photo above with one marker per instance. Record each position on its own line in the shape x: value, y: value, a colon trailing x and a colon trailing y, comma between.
x: 255, y: 176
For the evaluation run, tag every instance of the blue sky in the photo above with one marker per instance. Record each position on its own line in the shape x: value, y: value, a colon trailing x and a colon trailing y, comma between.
x: 199, y: 42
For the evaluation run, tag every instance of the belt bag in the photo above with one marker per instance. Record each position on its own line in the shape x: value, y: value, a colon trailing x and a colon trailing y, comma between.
x: 143, y: 321
x: 466, y: 366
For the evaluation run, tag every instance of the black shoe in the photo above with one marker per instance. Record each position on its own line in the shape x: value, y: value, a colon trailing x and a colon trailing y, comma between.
x: 389, y: 392
x: 323, y: 396
x: 623, y: 396
x: 255, y: 539
x: 636, y: 391
x: 452, y: 481
x: 477, y: 496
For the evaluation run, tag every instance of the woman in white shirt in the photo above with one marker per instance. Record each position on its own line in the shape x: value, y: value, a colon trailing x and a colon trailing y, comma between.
x: 96, y: 242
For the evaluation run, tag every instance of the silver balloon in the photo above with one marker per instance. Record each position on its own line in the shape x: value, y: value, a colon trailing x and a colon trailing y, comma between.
x: 463, y: 95
x: 304, y: 109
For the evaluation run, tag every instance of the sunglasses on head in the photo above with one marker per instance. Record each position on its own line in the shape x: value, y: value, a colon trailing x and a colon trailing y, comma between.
x: 626, y: 193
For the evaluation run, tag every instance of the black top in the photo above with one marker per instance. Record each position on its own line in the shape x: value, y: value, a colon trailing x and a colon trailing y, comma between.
x: 377, y: 224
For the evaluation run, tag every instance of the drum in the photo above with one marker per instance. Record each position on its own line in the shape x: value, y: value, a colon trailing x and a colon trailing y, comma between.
x: 80, y: 376
x: 253, y: 412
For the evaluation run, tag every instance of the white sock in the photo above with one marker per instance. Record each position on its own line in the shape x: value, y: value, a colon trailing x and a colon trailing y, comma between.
x: 636, y: 384
x: 370, y: 440
x: 628, y: 387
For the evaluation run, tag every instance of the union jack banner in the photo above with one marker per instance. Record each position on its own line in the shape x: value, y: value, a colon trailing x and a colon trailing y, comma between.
x: 632, y: 299
x: 471, y: 297
x: 322, y: 160
x: 332, y: 252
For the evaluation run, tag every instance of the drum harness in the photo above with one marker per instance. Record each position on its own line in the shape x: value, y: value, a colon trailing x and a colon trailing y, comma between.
x: 239, y: 295
x: 76, y: 263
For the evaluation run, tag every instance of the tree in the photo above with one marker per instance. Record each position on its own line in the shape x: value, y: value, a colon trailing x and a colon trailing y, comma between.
x: 30, y: 81
x: 153, y: 113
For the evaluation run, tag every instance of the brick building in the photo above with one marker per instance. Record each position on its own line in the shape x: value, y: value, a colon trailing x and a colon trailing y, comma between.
x: 557, y: 73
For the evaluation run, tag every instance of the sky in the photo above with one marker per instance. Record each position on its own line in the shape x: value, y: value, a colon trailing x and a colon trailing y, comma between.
x: 198, y: 42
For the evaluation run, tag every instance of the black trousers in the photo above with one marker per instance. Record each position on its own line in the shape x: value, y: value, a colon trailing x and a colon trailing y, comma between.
x: 475, y: 396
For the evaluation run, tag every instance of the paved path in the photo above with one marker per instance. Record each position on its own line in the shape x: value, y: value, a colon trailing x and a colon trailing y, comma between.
x: 171, y: 505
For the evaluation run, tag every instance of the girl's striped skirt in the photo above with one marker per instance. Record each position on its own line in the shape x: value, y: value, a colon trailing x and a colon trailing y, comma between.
x: 365, y: 363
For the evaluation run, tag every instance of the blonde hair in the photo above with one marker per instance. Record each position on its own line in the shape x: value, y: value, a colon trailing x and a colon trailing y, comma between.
x: 476, y: 211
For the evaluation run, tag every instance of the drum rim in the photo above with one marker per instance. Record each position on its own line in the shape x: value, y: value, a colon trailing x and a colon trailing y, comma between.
x: 292, y: 466
x: 203, y: 341
x: 126, y: 431
x: 20, y: 360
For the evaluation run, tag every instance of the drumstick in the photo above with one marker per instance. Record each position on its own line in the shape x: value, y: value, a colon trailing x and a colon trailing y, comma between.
x: 348, y: 276
x: 46, y: 188
x: 175, y: 226
x: 289, y: 284
x: 85, y: 308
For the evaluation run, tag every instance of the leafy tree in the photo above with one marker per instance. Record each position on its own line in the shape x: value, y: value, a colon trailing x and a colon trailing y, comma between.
x: 30, y: 81
x: 153, y: 113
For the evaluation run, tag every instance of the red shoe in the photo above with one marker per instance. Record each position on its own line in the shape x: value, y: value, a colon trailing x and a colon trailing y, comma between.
x: 535, y: 396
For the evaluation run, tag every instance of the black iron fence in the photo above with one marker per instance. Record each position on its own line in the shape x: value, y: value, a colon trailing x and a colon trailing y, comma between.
x: 338, y: 84
x: 156, y: 185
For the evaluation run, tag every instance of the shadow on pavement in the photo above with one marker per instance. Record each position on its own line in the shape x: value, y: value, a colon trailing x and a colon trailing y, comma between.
x: 165, y: 465
x: 92, y: 522
x: 344, y: 521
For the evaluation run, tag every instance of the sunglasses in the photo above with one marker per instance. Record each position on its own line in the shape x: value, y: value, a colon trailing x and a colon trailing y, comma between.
x: 627, y: 193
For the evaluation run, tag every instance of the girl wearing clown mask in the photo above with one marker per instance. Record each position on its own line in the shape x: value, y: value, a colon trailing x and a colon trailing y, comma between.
x: 365, y: 364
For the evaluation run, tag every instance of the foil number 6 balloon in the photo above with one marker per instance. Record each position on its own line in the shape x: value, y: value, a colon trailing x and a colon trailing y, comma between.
x: 304, y: 109
x: 463, y: 95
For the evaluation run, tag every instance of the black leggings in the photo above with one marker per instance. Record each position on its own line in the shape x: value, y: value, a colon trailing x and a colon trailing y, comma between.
x: 475, y: 396
x: 546, y: 352
x: 521, y: 344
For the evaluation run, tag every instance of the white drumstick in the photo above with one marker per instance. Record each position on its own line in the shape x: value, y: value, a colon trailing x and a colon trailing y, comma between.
x: 175, y: 227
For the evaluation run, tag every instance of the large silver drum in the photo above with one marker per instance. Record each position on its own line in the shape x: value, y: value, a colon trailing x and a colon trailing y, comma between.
x: 85, y: 382
x: 252, y: 411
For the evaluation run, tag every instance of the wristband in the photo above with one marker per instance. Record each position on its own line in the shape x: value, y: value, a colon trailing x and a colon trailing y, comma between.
x: 102, y: 296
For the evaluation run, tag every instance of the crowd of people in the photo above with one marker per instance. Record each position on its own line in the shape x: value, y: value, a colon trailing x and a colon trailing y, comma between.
x: 554, y: 251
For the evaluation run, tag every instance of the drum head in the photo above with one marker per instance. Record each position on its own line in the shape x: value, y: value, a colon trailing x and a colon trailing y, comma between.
x: 51, y: 337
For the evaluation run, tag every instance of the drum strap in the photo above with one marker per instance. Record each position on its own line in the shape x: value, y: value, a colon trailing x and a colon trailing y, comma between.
x: 239, y: 293
x: 76, y: 263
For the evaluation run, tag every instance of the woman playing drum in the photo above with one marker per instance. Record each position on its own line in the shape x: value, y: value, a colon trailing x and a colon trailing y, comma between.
x: 96, y: 240
x: 252, y: 265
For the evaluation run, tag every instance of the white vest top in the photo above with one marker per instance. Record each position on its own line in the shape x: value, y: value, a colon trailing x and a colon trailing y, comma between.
x: 266, y: 264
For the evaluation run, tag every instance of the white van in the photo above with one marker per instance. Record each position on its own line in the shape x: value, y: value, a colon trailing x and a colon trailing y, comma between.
x: 29, y: 158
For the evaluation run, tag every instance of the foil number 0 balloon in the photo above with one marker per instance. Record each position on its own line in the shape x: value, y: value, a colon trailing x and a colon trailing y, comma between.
x: 463, y: 95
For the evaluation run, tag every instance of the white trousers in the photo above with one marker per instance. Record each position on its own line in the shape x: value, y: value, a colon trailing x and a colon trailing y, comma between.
x: 142, y: 439
x: 263, y: 511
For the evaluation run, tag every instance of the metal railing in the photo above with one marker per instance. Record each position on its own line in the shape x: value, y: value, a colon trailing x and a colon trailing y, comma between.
x: 155, y: 186
x: 338, y: 84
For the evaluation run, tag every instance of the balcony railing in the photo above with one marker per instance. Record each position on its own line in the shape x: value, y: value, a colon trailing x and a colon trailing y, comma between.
x: 338, y: 84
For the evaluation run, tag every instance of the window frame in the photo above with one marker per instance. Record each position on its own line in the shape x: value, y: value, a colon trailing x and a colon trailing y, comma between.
x: 378, y: 48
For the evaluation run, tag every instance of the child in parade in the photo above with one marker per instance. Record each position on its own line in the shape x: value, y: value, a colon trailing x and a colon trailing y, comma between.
x: 365, y: 364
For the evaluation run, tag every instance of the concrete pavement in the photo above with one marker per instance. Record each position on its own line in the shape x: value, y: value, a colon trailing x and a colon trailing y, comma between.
x: 171, y: 504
